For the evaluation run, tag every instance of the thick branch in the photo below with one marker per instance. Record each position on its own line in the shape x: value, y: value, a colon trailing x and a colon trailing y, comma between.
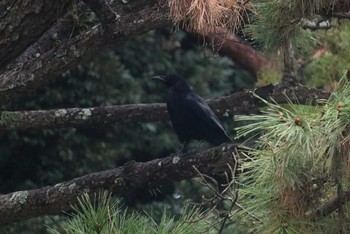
x: 52, y: 38
x: 17, y: 27
x: 25, y: 77
x: 53, y: 200
x: 240, y: 102
x: 238, y: 51
x: 103, y: 11
x: 75, y: 117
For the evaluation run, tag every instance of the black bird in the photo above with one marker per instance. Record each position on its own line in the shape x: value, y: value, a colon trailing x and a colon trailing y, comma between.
x: 190, y: 115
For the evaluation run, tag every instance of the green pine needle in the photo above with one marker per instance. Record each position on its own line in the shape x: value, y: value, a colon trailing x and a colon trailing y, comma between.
x: 277, y: 23
x: 300, y: 149
x: 103, y: 215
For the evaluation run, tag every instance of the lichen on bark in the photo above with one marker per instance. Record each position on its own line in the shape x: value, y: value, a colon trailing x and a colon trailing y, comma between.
x: 10, y: 119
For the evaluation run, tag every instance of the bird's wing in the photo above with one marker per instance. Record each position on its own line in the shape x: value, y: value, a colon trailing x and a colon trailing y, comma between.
x: 203, y: 111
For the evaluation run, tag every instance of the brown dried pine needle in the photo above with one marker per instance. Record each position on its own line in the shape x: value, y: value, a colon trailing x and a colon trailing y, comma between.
x: 203, y: 16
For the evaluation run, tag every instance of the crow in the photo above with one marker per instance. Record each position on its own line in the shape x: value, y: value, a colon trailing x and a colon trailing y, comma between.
x: 190, y: 115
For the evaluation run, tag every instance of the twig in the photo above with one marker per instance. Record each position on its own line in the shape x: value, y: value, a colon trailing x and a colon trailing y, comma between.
x: 248, y: 212
x: 233, y: 179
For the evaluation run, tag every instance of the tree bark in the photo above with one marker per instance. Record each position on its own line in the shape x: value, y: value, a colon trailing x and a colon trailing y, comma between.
x: 37, y: 66
x: 36, y: 46
x: 241, y: 53
x: 226, y: 106
x: 23, y: 22
x: 56, y: 199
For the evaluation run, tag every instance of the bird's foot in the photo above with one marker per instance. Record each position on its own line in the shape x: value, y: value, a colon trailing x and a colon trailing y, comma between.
x: 197, y: 147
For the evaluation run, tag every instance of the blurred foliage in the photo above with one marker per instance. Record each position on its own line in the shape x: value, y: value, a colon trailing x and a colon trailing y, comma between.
x: 331, y: 59
x: 37, y: 158
x: 268, y: 75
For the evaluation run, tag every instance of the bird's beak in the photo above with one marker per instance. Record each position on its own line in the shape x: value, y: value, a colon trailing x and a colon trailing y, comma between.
x: 162, y: 78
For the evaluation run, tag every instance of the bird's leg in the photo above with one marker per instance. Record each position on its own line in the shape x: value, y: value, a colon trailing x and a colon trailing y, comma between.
x: 184, y: 148
x: 197, y: 147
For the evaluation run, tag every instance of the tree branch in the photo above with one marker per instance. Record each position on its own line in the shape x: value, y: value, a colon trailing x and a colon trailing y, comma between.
x: 103, y: 11
x: 239, y: 52
x: 342, y: 15
x: 240, y: 102
x: 52, y: 38
x: 17, y: 27
x: 25, y: 77
x: 52, y: 200
x: 28, y: 76
x: 312, y: 25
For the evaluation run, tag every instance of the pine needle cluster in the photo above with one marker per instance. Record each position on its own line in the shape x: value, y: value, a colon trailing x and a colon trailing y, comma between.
x: 102, y: 214
x: 278, y: 24
x: 300, y: 163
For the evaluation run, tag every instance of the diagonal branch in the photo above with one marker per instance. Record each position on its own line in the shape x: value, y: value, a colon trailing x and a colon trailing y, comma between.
x: 240, y: 102
x: 103, y: 11
x: 240, y: 52
x: 55, y: 199
x: 17, y: 30
x: 26, y: 77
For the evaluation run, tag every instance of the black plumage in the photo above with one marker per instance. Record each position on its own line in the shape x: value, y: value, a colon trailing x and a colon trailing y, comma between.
x: 190, y: 115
